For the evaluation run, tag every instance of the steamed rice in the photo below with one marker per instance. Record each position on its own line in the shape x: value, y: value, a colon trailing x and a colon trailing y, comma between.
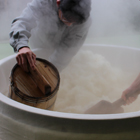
x: 88, y: 79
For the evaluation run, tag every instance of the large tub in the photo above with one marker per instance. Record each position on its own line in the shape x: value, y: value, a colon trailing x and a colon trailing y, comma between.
x: 22, y: 122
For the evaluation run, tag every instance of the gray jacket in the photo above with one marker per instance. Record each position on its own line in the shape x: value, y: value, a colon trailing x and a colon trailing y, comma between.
x: 40, y: 26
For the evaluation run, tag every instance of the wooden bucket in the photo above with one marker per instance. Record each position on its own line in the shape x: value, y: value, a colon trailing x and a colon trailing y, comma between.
x: 25, y: 89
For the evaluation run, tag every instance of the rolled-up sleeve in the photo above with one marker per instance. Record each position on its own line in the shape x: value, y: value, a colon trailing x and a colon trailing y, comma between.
x: 21, y: 26
x: 69, y: 46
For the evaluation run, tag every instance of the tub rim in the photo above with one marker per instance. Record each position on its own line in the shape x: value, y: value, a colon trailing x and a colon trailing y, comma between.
x: 11, y: 103
x: 17, y: 105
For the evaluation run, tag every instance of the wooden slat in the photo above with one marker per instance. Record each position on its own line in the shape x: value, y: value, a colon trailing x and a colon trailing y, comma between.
x: 33, y: 84
x: 40, y: 81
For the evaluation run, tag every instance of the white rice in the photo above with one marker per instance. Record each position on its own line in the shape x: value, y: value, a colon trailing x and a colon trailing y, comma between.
x: 88, y: 79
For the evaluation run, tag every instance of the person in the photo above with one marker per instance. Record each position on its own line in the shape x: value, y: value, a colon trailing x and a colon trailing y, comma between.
x: 58, y: 27
x: 130, y: 94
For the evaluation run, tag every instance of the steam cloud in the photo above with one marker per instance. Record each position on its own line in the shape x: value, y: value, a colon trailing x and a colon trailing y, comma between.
x: 110, y: 18
x: 9, y: 9
x: 113, y: 18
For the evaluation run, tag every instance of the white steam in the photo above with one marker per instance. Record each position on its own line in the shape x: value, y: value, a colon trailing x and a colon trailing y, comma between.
x: 110, y: 17
x: 9, y: 9
x: 115, y: 18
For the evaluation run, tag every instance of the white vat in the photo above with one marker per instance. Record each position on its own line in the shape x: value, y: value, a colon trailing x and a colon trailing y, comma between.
x: 22, y: 122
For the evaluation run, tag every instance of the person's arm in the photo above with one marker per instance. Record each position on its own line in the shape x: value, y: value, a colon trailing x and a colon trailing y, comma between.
x: 21, y: 32
x: 69, y: 46
x: 21, y: 27
x: 131, y: 93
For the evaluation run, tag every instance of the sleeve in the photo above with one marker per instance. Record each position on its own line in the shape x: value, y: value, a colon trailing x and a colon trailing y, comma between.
x: 69, y: 46
x: 21, y: 26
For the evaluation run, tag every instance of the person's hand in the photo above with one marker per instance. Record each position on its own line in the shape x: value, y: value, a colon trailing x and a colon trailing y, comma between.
x: 129, y: 99
x: 24, y: 57
x: 131, y: 93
